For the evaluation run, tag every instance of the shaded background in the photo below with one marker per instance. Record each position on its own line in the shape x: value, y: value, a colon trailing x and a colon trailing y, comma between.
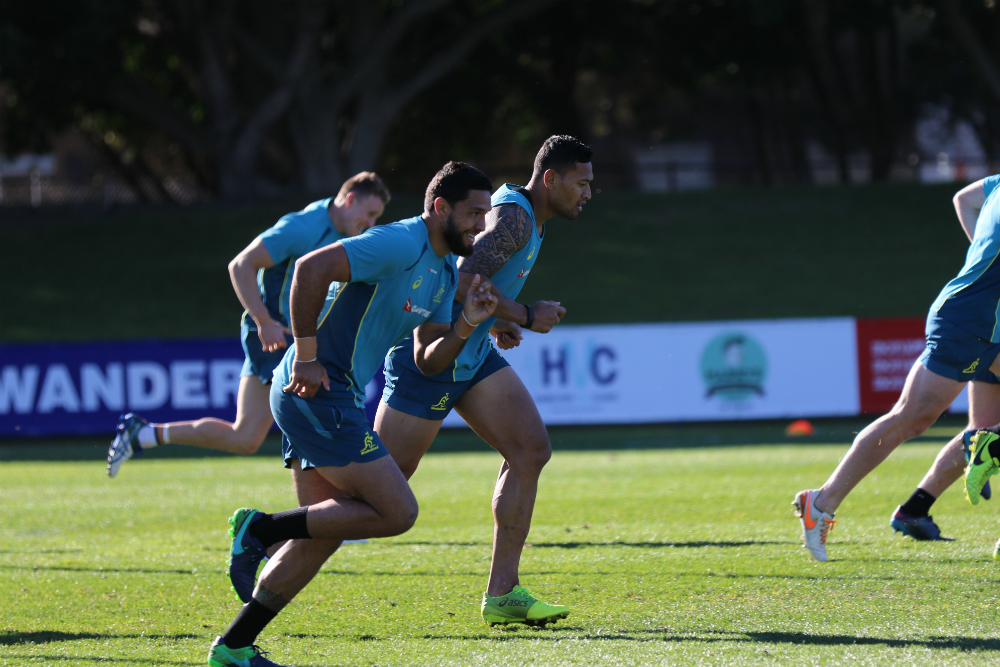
x: 754, y: 158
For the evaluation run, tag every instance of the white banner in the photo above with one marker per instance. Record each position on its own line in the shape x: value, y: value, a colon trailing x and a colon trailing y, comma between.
x: 606, y: 374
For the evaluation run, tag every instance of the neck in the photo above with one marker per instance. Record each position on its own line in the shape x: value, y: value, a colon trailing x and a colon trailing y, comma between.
x: 333, y: 211
x: 540, y: 201
x: 435, y: 232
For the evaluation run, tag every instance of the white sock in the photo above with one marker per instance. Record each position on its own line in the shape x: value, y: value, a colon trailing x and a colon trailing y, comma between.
x: 147, y: 437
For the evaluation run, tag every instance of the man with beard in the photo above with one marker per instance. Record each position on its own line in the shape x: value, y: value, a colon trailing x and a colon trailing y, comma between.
x: 481, y: 385
x: 397, y: 278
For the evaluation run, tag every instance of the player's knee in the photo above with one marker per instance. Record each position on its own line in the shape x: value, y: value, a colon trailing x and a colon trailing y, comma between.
x: 532, y: 454
x: 402, y: 518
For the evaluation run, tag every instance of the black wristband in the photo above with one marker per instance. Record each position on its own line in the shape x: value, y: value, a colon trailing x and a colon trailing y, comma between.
x: 531, y: 317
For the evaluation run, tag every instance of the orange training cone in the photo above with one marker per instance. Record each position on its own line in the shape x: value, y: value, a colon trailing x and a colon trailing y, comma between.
x: 798, y: 428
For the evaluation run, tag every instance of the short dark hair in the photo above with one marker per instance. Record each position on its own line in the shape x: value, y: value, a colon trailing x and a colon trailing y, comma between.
x: 363, y: 185
x: 453, y: 182
x: 562, y: 153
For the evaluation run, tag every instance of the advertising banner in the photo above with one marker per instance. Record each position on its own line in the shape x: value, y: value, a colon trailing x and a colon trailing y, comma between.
x: 690, y: 372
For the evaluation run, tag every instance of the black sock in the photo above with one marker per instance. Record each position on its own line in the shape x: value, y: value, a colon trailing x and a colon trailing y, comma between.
x: 280, y: 526
x: 919, y: 503
x: 249, y: 623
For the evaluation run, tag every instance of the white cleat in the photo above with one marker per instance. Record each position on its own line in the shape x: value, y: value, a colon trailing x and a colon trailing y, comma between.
x: 816, y: 525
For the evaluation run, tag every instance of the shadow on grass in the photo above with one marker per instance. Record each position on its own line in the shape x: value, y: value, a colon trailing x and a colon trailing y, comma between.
x: 102, y: 659
x: 98, y: 570
x: 694, y: 544
x: 50, y: 636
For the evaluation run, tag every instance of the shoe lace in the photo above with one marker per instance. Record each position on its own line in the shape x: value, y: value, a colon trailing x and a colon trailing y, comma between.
x: 258, y: 650
x: 527, y: 592
x: 825, y: 530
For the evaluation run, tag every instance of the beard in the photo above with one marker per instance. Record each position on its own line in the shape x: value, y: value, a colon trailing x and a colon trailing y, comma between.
x: 455, y: 238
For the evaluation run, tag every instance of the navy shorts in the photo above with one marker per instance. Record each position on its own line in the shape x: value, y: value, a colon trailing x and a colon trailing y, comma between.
x: 259, y: 362
x: 334, y: 432
x: 956, y: 354
x: 416, y: 394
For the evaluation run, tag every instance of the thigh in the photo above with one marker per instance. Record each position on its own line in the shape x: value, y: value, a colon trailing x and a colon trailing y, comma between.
x: 984, y: 404
x: 253, y: 407
x: 379, y: 483
x: 405, y: 436
x: 501, y: 411
x: 311, y: 487
x: 926, y: 394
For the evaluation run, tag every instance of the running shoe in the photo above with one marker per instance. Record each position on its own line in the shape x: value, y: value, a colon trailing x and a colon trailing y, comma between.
x: 983, y: 464
x: 917, y: 527
x: 245, y: 554
x: 220, y: 655
x: 816, y: 525
x: 986, y: 493
x: 126, y: 442
x: 520, y: 606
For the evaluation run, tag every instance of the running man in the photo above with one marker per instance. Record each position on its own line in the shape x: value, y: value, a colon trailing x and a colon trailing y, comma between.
x: 262, y: 278
x: 397, y: 278
x: 913, y: 517
x: 963, y: 339
x: 481, y: 385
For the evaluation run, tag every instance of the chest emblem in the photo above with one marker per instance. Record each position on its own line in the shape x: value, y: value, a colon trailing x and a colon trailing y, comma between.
x: 437, y: 297
x: 523, y: 273
x: 419, y: 280
x: 532, y: 253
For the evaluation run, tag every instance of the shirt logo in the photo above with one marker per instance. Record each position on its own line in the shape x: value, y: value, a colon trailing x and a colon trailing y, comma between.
x: 432, y: 271
x: 532, y: 253
x: 972, y: 368
x: 370, y: 445
x: 420, y: 279
x: 442, y: 404
x: 523, y: 273
x: 437, y: 297
x: 410, y: 308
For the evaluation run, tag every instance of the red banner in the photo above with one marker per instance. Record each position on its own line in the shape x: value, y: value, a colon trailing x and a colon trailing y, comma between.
x: 887, y: 349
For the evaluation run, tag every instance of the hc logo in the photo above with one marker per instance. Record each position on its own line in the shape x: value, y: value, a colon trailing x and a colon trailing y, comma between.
x: 596, y: 363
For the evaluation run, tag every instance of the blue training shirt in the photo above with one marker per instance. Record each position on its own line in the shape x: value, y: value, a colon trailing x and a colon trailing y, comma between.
x: 509, y: 279
x: 972, y: 299
x: 294, y: 235
x: 397, y: 283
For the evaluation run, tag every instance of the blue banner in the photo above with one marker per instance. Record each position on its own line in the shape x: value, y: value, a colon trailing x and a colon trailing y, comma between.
x: 81, y: 388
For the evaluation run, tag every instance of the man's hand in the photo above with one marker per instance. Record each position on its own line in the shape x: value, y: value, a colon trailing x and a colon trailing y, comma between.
x: 508, y: 334
x: 306, y: 378
x: 547, y: 315
x: 272, y: 335
x: 479, y: 303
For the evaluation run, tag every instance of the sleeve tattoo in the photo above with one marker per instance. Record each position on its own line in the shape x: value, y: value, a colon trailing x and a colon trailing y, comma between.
x: 508, y: 229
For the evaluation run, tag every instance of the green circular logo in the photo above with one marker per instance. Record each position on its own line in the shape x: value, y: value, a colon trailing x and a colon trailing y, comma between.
x: 734, y: 367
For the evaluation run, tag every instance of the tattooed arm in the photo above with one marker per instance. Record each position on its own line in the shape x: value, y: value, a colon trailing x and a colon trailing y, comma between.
x: 508, y: 229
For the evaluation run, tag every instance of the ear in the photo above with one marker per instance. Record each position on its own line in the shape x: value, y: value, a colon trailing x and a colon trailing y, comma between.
x: 442, y: 207
x: 350, y: 199
x: 550, y: 178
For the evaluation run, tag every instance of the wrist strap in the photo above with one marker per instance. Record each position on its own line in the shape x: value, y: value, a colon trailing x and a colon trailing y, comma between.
x: 531, y: 317
x: 304, y: 361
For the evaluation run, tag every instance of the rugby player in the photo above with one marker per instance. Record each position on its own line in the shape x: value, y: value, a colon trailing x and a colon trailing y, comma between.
x: 262, y: 277
x: 397, y: 278
x: 481, y: 385
x: 963, y: 339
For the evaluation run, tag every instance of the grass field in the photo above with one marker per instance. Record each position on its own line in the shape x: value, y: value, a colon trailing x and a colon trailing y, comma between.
x: 870, y: 251
x: 673, y: 556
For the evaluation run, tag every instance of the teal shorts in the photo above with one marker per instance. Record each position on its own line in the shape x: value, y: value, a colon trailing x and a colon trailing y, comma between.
x: 333, y: 432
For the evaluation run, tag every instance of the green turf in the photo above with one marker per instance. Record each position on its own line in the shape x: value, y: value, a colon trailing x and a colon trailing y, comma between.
x: 874, y: 251
x: 672, y: 556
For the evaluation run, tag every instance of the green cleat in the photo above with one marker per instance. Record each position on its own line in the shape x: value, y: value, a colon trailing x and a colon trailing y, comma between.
x: 983, y: 464
x: 220, y: 655
x: 996, y: 551
x: 520, y: 606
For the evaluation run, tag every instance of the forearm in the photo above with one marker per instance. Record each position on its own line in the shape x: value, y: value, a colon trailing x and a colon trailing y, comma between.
x: 507, y: 309
x: 244, y: 278
x: 306, y: 302
x: 440, y: 353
